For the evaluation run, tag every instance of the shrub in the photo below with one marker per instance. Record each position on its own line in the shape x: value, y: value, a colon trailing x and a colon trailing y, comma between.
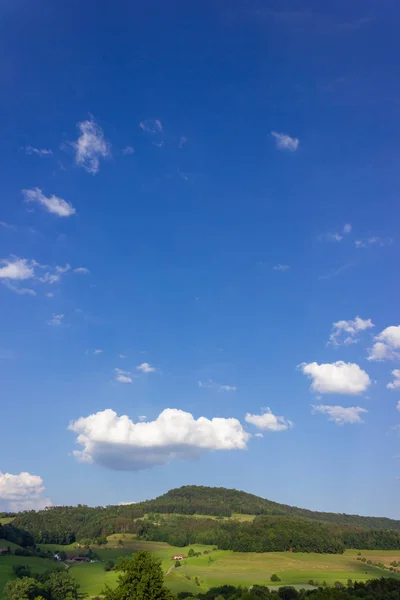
x: 109, y: 565
x: 274, y: 577
x: 21, y: 571
x: 177, y: 564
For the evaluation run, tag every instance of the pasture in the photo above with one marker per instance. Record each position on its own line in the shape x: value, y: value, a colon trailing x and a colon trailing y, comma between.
x: 37, y: 565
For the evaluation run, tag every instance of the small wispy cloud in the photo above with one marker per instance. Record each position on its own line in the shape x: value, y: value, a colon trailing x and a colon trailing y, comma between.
x: 98, y: 351
x: 82, y: 270
x: 128, y: 150
x: 38, y: 151
x: 90, y: 146
x: 53, y: 204
x: 151, y: 126
x: 337, y: 271
x: 21, y: 291
x: 122, y: 356
x: 346, y: 332
x: 347, y: 228
x: 182, y: 141
x: 280, y: 267
x: 56, y: 320
x: 373, y: 241
x: 146, y: 368
x: 212, y: 385
x: 123, y: 376
x: 268, y: 421
x: 285, y: 142
x: 8, y: 226
x: 340, y: 414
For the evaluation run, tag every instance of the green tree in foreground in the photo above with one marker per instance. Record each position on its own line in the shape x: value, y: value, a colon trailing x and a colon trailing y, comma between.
x: 141, y: 578
x: 60, y: 585
x: 21, y: 589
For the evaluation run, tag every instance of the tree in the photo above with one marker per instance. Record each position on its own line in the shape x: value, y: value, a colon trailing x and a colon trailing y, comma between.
x: 62, y: 554
x: 191, y: 552
x: 21, y: 571
x: 177, y: 564
x: 141, y: 578
x: 109, y: 565
x: 274, y: 577
x: 21, y: 589
x: 61, y: 586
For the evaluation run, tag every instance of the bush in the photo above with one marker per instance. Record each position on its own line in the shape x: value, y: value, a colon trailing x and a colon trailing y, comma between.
x: 21, y: 571
x: 274, y: 577
x: 311, y: 582
x: 177, y: 564
x: 22, y: 552
x: 109, y: 565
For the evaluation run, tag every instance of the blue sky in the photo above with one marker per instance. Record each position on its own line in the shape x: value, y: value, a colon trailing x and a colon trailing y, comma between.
x: 192, y: 196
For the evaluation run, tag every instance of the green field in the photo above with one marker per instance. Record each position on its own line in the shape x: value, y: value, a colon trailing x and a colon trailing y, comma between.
x: 37, y: 565
x: 234, y: 568
x: 216, y: 568
x: 6, y: 520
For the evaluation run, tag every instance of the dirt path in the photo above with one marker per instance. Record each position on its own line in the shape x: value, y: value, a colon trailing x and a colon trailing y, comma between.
x: 169, y: 570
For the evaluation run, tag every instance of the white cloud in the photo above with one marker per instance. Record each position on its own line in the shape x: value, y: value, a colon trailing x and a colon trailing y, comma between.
x: 19, y: 290
x: 22, y: 492
x: 53, y: 204
x: 281, y: 267
x: 395, y: 384
x: 351, y: 328
x: 268, y: 421
x: 334, y: 237
x: 38, y: 151
x: 151, y: 126
x: 122, y: 356
x: 146, y: 368
x: 8, y: 226
x: 347, y: 228
x: 373, y: 240
x: 359, y: 244
x: 56, y: 320
x: 398, y: 405
x: 16, y: 269
x: 82, y: 270
x: 119, y: 443
x: 212, y: 385
x: 336, y: 378
x: 285, y: 142
x: 90, y: 146
x: 98, y: 351
x: 49, y: 295
x: 142, y: 418
x: 387, y: 344
x: 123, y: 376
x: 128, y: 150
x: 341, y: 415
x: 258, y: 435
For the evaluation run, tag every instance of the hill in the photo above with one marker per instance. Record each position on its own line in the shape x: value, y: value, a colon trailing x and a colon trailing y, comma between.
x: 193, y: 499
x: 169, y: 518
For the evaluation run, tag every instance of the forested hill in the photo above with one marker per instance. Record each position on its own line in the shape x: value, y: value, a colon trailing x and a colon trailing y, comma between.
x: 202, y: 500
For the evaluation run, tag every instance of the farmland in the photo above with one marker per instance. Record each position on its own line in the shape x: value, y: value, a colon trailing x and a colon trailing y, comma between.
x: 226, y: 567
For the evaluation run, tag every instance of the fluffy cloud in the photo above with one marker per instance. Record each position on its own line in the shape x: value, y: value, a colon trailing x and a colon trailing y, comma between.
x: 281, y: 267
x: 285, y: 142
x: 146, y: 368
x: 395, y: 384
x: 341, y: 415
x: 268, y: 421
x: 22, y: 492
x: 56, y: 320
x: 345, y: 332
x: 16, y: 269
x: 151, y: 126
x: 123, y: 376
x: 53, y: 204
x: 82, y: 270
x: 116, y: 442
x: 38, y: 151
x: 90, y: 146
x: 387, y: 344
x: 336, y: 378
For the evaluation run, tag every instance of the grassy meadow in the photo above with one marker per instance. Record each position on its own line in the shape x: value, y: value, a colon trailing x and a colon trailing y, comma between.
x: 216, y: 568
x: 37, y: 565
